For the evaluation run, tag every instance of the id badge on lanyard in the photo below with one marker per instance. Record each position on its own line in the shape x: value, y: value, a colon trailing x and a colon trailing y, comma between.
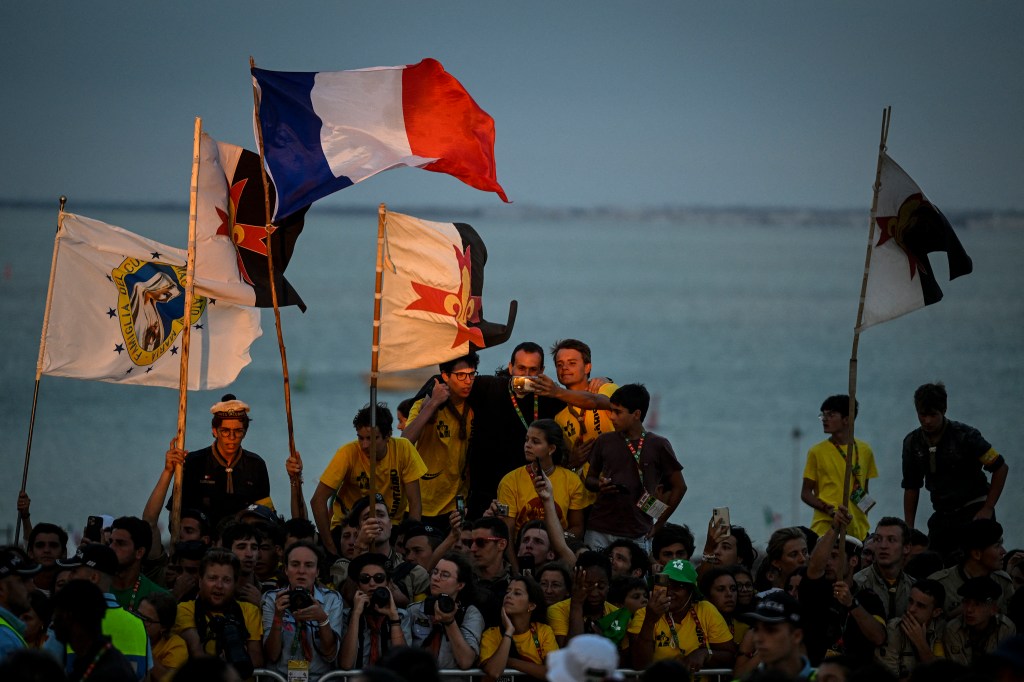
x: 298, y: 670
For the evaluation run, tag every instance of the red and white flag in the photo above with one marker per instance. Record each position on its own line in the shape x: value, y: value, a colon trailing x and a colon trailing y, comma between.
x: 901, y: 278
x: 431, y: 307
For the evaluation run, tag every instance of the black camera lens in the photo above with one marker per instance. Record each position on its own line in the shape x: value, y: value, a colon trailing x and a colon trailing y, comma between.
x: 380, y: 597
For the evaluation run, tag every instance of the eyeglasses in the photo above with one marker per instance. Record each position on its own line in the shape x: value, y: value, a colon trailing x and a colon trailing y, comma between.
x: 379, y: 578
x: 443, y: 575
x: 828, y: 414
x: 744, y: 587
x: 231, y: 433
x: 482, y: 542
x: 464, y: 376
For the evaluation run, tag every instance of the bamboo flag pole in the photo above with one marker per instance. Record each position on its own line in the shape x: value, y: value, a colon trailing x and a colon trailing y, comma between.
x: 382, y: 213
x: 190, y: 271
x: 270, y: 270
x: 851, y: 448
x: 39, y: 361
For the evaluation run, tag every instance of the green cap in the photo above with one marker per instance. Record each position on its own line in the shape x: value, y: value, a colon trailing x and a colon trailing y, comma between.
x: 682, y: 571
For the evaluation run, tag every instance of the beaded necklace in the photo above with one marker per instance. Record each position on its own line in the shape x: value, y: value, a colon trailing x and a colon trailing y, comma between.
x: 100, y: 654
x: 135, y: 593
x: 515, y: 404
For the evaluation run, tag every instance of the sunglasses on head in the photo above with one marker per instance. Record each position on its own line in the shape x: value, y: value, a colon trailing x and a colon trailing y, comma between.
x: 379, y: 578
x: 482, y: 542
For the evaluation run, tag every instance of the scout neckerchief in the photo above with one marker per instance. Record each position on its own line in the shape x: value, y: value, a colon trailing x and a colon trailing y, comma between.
x: 229, y: 467
x: 579, y: 415
x: 300, y: 638
x: 515, y: 404
x: 461, y: 416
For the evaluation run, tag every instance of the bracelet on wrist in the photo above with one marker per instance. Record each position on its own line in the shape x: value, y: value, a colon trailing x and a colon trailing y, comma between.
x: 505, y: 634
x: 710, y: 559
x: 393, y: 623
x: 327, y: 621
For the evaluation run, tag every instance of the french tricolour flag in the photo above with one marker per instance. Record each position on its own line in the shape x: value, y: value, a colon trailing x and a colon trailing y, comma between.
x: 325, y: 131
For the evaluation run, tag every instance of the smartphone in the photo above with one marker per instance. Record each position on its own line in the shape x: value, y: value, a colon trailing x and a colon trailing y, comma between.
x: 720, y: 517
x: 94, y: 528
x: 660, y: 583
x: 460, y: 506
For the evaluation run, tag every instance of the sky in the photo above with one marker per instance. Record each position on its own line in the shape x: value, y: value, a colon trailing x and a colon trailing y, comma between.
x: 596, y: 104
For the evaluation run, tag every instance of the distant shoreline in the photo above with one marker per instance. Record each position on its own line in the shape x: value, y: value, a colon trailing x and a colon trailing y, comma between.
x: 703, y: 215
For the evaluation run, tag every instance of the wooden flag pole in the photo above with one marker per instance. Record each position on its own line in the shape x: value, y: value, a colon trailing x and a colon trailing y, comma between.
x: 190, y: 271
x: 270, y: 269
x: 851, y: 447
x: 382, y: 213
x: 39, y: 362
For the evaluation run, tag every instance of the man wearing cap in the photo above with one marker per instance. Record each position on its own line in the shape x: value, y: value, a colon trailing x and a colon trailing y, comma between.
x: 14, y: 571
x: 983, y: 552
x: 980, y: 627
x: 950, y: 459
x: 98, y: 564
x: 224, y: 478
x: 676, y: 623
x: 778, y: 627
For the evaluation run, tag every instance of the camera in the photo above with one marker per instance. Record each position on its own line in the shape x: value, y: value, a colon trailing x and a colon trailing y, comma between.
x: 231, y: 636
x: 502, y: 509
x: 299, y: 598
x: 380, y: 598
x: 442, y: 601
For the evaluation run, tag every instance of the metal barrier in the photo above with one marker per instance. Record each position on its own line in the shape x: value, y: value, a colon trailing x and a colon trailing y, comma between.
x: 717, y: 673
x: 264, y: 674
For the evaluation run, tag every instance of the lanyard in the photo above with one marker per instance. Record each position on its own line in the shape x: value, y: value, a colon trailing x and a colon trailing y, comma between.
x: 536, y: 642
x: 135, y: 593
x: 579, y: 416
x: 856, y: 464
x: 636, y: 453
x: 515, y: 404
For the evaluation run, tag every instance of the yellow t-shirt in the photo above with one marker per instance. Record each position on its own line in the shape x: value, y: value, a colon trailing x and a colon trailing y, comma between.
x: 444, y: 455
x: 714, y: 626
x: 349, y: 473
x: 517, y: 491
x: 558, y: 618
x: 525, y: 643
x: 186, y: 619
x: 578, y: 423
x: 171, y: 652
x: 827, y: 468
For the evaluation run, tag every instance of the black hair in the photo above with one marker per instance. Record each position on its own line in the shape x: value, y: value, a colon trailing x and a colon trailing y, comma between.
x: 745, y: 551
x: 923, y: 564
x: 411, y: 663
x: 384, y: 419
x: 592, y: 559
x: 633, y: 397
x: 166, y: 607
x: 49, y: 528
x: 530, y: 348
x: 931, y: 397
x: 558, y: 566
x: 189, y: 549
x: 496, y: 526
x: 895, y: 521
x: 553, y: 435
x: 83, y: 602
x: 840, y: 403
x: 621, y: 587
x: 535, y: 595
x: 571, y: 344
x: 638, y: 558
x: 240, y: 531
x: 354, y: 514
x: 471, y: 359
x: 306, y: 544
x: 708, y: 579
x: 405, y: 406
x: 932, y: 588
x: 140, y: 531
x: 42, y: 605
x: 466, y: 576
x: 357, y: 565
x: 200, y: 516
x: 671, y: 534
x: 299, y: 528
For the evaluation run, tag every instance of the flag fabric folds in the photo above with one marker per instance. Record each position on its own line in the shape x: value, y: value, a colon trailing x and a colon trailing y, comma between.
x: 325, y: 131
x: 431, y: 307
x: 116, y: 312
x: 231, y: 226
x: 901, y: 278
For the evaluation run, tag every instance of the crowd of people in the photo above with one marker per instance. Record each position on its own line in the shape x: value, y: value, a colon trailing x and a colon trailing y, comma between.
x: 522, y: 523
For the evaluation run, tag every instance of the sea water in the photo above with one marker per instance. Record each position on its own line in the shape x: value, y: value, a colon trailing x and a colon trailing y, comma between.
x: 738, y: 328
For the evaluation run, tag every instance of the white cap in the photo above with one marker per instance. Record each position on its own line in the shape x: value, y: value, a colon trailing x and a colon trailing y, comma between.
x: 588, y: 658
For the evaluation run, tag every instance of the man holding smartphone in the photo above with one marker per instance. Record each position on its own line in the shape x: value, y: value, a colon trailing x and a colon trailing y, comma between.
x: 636, y: 474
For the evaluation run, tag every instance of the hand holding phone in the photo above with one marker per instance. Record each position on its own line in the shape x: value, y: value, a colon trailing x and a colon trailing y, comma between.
x: 720, y: 519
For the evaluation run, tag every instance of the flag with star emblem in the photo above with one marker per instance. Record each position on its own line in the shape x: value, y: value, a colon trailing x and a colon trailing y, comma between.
x: 116, y: 312
x: 909, y: 227
x: 432, y: 287
x: 323, y: 132
x: 231, y: 224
